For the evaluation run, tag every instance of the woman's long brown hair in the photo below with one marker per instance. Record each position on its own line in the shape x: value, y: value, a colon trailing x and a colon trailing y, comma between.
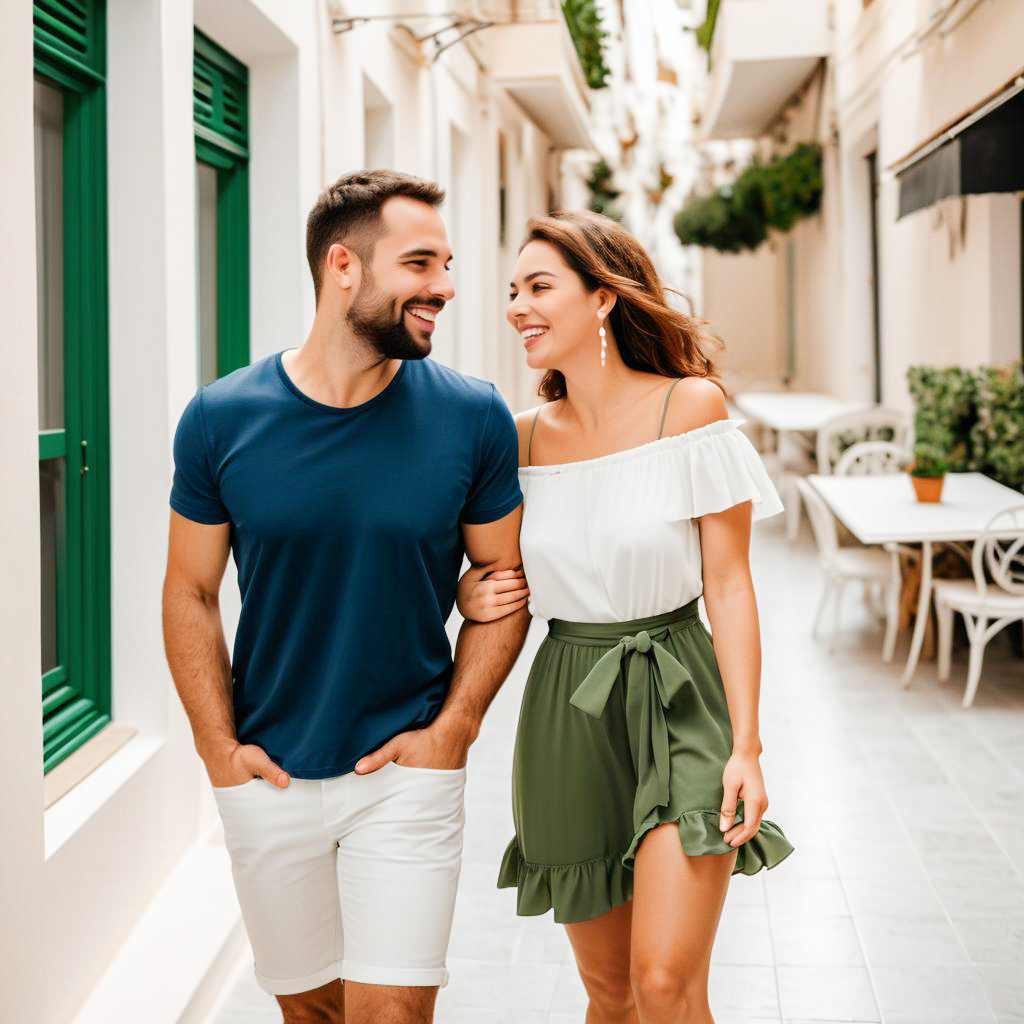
x: 651, y: 335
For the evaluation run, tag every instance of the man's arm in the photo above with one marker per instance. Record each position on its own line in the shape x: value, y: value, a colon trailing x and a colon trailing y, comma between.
x: 198, y: 656
x: 484, y: 655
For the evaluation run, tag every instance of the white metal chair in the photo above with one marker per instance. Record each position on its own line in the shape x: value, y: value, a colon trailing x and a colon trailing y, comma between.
x: 868, y: 457
x: 841, y: 565
x: 840, y: 432
x: 834, y: 437
x: 986, y: 607
x: 862, y: 459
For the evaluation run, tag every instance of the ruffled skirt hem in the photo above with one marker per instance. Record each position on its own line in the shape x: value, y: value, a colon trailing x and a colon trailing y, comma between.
x: 588, y: 889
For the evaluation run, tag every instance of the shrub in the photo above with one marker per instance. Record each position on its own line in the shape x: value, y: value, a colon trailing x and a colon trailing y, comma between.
x: 945, y: 410
x: 764, y: 196
x: 997, y: 435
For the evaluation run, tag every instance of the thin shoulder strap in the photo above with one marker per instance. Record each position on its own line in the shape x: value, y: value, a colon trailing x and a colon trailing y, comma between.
x: 529, y: 444
x: 664, y: 408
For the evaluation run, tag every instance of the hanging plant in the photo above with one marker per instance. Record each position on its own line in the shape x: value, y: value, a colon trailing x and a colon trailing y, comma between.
x: 775, y: 195
x: 706, y: 29
x: 602, y: 194
x: 792, y: 186
x: 588, y: 36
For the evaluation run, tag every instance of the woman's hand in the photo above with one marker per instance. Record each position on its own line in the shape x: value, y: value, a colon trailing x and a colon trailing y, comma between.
x: 742, y: 779
x: 487, y: 598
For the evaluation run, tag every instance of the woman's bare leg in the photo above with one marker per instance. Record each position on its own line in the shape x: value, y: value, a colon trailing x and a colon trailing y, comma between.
x: 601, y: 947
x: 677, y: 904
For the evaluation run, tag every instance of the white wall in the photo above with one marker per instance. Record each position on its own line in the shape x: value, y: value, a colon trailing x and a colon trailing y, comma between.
x: 22, y: 880
x: 950, y: 275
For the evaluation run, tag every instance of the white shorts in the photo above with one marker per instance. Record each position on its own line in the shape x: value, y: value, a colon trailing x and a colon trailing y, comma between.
x: 352, y: 877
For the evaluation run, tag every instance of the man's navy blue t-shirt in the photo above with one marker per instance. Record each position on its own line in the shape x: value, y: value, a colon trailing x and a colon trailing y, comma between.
x: 345, y: 532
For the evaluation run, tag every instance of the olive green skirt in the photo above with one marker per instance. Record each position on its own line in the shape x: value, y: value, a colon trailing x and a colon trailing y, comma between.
x: 624, y: 727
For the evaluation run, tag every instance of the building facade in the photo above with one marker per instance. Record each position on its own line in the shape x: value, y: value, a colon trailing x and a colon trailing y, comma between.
x: 159, y: 161
x: 852, y: 297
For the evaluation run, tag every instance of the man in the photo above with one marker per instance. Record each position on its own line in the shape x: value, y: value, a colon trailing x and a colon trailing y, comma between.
x: 348, y: 477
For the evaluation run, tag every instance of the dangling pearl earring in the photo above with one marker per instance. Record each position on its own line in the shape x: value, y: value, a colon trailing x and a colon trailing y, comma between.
x: 604, y: 344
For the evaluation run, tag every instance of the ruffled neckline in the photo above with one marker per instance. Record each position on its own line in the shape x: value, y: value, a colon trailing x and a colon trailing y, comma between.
x: 641, y: 451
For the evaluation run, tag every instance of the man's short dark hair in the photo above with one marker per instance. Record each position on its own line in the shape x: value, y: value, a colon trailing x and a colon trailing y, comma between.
x: 351, y: 206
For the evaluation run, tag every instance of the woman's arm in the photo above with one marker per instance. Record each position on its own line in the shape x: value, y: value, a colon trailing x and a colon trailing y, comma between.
x: 732, y: 611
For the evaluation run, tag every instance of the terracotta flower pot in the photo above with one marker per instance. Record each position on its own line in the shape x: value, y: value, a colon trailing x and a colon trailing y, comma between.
x: 928, y: 488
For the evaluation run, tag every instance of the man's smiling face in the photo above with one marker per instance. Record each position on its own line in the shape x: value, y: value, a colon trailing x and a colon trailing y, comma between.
x: 405, y: 281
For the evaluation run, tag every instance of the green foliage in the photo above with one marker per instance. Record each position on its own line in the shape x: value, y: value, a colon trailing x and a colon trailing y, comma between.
x: 726, y: 220
x: 791, y: 187
x: 997, y: 435
x: 945, y: 410
x: 929, y: 460
x: 602, y: 194
x: 706, y: 30
x: 764, y: 196
x: 584, y: 23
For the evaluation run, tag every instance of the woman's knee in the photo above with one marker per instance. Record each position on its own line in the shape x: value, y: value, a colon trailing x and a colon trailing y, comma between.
x: 659, y: 988
x: 610, y: 993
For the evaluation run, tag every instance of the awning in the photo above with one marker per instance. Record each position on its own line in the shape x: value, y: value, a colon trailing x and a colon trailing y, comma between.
x: 983, y: 152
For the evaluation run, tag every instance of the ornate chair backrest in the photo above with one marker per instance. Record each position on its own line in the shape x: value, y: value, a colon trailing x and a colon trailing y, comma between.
x: 866, y: 457
x: 840, y: 432
x: 1000, y: 549
x: 822, y: 521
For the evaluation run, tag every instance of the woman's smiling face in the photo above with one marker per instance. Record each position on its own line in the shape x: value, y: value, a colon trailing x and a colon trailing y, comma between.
x: 550, y: 308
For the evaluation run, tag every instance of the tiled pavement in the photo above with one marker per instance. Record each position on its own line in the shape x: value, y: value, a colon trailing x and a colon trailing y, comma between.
x: 904, y: 900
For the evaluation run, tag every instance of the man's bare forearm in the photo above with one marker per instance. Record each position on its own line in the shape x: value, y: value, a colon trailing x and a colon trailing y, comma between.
x: 200, y: 666
x: 484, y: 655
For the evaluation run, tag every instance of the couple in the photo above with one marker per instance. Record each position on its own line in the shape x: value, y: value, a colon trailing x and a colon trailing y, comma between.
x: 349, y: 477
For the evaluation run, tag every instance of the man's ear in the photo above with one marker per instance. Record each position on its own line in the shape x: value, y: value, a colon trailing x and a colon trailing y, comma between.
x: 343, y: 266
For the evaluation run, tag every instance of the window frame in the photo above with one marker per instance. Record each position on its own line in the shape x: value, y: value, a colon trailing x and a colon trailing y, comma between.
x: 225, y: 147
x: 76, y: 695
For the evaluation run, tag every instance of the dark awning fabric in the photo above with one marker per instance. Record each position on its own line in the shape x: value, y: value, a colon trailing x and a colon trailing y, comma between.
x: 987, y: 156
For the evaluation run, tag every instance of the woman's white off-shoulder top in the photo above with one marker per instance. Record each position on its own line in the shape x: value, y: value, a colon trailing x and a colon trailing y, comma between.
x: 615, y: 538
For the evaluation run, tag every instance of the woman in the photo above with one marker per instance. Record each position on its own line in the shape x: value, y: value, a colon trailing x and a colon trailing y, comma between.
x: 637, y: 790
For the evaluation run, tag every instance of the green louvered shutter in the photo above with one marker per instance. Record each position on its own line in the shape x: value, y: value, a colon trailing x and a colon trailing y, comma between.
x: 220, y: 106
x: 70, y: 33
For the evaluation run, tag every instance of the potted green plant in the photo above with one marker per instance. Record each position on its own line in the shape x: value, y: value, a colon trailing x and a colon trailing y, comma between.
x: 928, y: 471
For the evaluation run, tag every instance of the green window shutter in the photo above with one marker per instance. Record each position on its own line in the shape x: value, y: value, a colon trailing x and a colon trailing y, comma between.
x: 220, y: 98
x: 69, y: 43
x: 220, y: 105
x: 70, y: 34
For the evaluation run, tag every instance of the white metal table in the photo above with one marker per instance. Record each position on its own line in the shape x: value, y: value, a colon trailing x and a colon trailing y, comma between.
x: 789, y: 413
x: 882, y: 508
x: 792, y: 412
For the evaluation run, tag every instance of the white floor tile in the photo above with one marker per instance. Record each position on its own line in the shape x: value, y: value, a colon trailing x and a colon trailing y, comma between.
x: 742, y: 991
x: 804, y: 941
x: 940, y: 991
x: 827, y: 993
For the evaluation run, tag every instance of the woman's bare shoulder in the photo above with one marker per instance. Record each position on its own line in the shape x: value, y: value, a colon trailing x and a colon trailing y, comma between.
x: 524, y: 424
x: 695, y: 402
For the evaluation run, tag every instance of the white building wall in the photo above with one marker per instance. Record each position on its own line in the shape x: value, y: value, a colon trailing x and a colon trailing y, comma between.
x: 22, y: 875
x: 77, y: 879
x: 950, y: 275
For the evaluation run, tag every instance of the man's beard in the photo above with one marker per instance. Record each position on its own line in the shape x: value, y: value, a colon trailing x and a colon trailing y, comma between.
x: 379, y: 320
